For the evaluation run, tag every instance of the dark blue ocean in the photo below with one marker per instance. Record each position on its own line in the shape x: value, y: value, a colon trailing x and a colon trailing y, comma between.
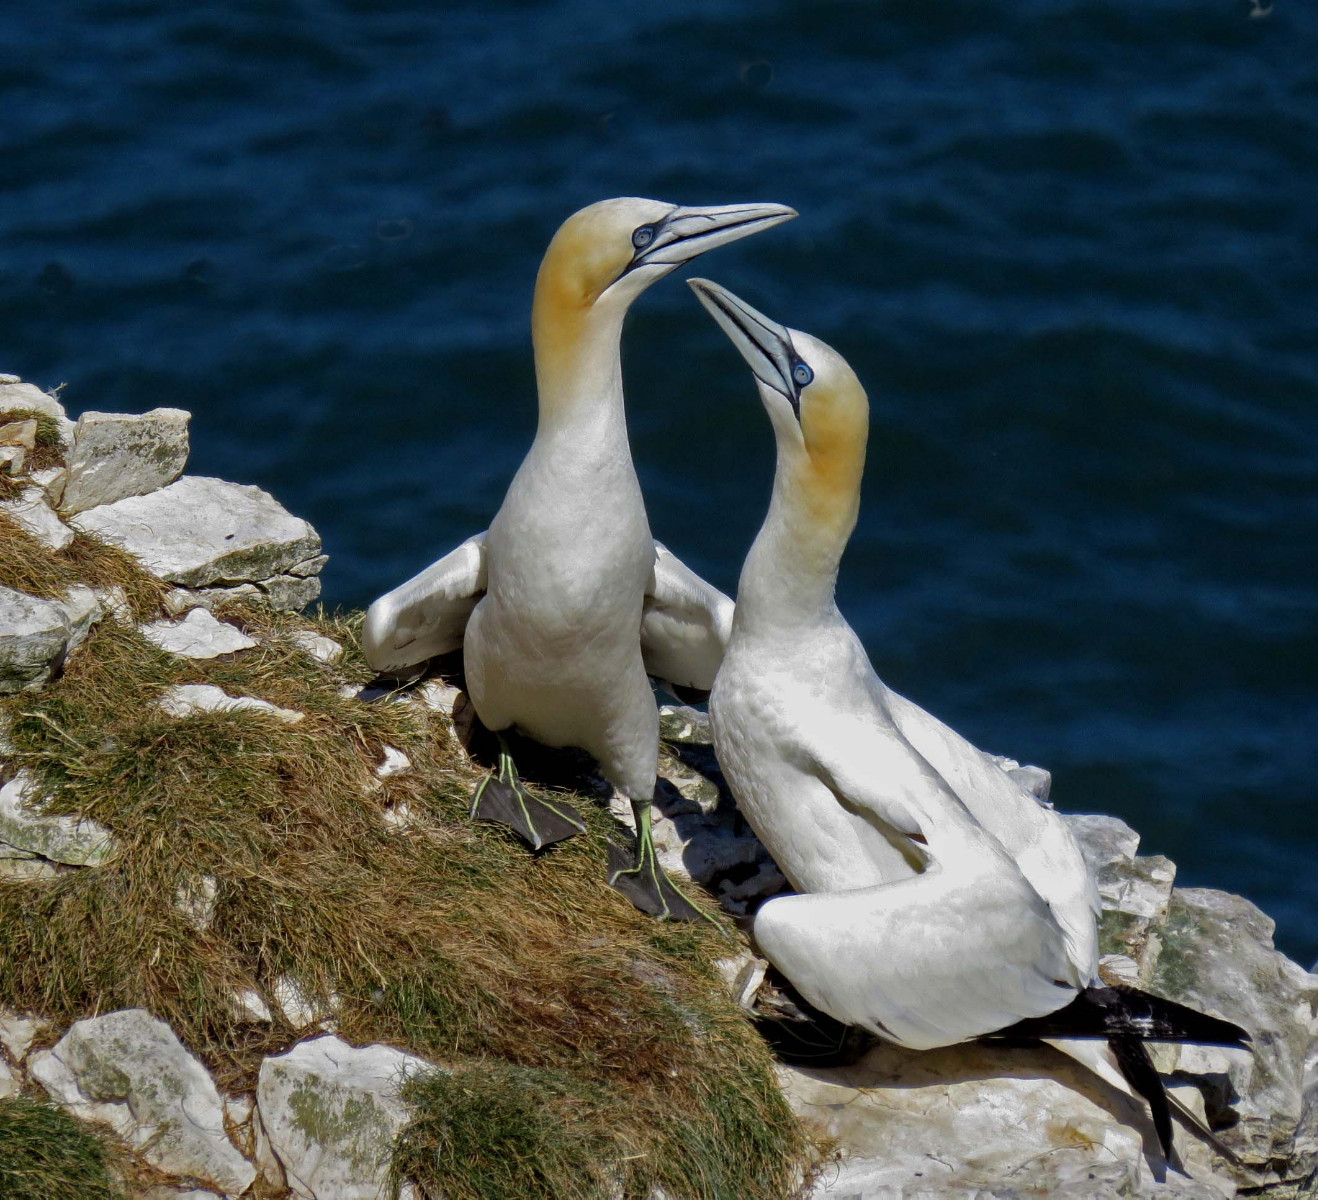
x: 1070, y: 246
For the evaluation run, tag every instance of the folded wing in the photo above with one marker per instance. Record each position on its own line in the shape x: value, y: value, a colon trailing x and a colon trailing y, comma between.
x: 1033, y: 834
x: 685, y: 624
x: 428, y: 614
x: 924, y: 962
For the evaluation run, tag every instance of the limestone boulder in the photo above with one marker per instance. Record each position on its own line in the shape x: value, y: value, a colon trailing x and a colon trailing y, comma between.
x: 26, y: 832
x: 130, y: 1071
x: 10, y: 1084
x: 329, y: 1113
x: 200, y: 532
x: 116, y: 455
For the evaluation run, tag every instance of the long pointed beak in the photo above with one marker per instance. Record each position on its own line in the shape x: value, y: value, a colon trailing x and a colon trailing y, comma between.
x: 687, y: 232
x: 764, y: 344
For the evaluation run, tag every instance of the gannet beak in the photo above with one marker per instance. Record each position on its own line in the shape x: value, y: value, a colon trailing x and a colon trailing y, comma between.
x: 687, y: 232
x: 764, y: 344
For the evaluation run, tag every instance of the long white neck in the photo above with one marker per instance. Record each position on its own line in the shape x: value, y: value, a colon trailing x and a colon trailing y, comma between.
x: 790, y: 574
x: 578, y: 368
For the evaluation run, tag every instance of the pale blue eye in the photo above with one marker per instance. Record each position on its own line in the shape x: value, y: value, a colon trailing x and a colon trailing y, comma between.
x: 643, y: 237
x: 802, y: 374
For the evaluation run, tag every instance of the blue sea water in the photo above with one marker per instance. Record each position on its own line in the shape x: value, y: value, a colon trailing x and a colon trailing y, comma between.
x: 1069, y: 246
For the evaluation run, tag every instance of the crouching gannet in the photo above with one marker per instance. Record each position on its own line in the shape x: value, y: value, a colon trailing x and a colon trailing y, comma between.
x: 566, y: 603
x: 938, y: 900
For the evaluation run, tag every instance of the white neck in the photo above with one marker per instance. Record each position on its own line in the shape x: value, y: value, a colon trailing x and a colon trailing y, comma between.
x: 790, y: 573
x: 579, y: 382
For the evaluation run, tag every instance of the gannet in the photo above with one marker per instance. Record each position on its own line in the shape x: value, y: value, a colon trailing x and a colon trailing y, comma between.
x: 937, y: 900
x: 566, y: 603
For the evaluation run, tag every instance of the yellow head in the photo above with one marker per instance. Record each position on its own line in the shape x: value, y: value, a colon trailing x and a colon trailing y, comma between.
x: 607, y: 254
x: 820, y: 413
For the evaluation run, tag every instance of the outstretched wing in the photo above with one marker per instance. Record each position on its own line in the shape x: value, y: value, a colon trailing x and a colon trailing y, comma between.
x: 685, y: 624
x: 428, y: 614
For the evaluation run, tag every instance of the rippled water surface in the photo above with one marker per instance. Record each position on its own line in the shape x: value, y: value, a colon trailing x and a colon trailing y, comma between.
x: 1068, y: 246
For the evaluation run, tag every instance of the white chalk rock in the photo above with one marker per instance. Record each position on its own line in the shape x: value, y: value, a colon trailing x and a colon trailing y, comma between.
x: 34, y: 639
x: 82, y: 608
x: 1215, y: 953
x: 317, y: 645
x: 249, y: 1005
x: 31, y: 511
x: 330, y: 1113
x: 9, y: 1084
x: 395, y: 763
x: 438, y: 697
x: 16, y: 396
x: 312, y: 566
x: 1135, y: 889
x: 130, y: 1071
x: 114, y: 602
x: 194, y: 900
x: 299, y: 1008
x: 974, y: 1120
x: 116, y: 455
x: 12, y: 459
x: 185, y: 699
x: 199, y: 531
x: 17, y: 1034
x: 197, y: 635
x: 180, y: 600
x: 74, y: 841
x: 290, y: 593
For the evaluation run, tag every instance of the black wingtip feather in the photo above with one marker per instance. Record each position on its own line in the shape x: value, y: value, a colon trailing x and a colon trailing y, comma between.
x: 1139, y: 1072
x: 1111, y: 1012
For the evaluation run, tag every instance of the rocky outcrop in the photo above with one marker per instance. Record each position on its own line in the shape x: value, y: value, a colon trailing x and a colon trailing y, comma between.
x: 118, y: 477
x: 131, y: 1072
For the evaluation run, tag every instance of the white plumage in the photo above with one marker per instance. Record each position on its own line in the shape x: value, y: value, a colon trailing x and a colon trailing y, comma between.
x: 938, y: 899
x: 566, y: 604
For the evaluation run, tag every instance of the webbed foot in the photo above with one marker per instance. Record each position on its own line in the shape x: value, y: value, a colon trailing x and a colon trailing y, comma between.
x: 502, y: 798
x: 643, y: 881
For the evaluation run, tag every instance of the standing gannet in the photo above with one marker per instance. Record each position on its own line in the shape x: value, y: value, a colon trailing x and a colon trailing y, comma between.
x: 566, y: 603
x: 938, y: 900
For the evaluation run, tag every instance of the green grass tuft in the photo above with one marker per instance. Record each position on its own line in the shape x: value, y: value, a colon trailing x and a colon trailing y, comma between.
x: 590, y: 1046
x: 45, y: 1154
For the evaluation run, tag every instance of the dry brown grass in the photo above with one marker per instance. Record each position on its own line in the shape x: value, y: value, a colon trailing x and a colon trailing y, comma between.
x: 553, y: 1000
x: 28, y: 566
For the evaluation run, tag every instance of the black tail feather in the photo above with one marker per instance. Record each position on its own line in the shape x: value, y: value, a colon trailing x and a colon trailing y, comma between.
x: 1121, y: 1012
x: 1139, y: 1072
